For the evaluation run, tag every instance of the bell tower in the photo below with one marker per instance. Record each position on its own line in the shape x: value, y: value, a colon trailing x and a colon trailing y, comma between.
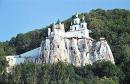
x: 83, y: 23
x: 76, y: 23
x: 76, y: 19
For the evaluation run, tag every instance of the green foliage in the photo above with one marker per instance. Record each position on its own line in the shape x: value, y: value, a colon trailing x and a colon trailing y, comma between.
x: 126, y: 69
x: 106, y: 68
x: 3, y: 65
x: 60, y: 73
x: 2, y: 52
x: 5, y: 49
x: 103, y: 80
x: 114, y: 25
x: 24, y: 73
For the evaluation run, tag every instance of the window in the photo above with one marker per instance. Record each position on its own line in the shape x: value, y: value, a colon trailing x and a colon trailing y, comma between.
x: 86, y: 53
x: 75, y: 22
x: 58, y: 46
x: 82, y: 25
x: 19, y: 56
x: 83, y: 46
x: 74, y: 52
x: 65, y: 46
x: 78, y: 48
x: 71, y: 48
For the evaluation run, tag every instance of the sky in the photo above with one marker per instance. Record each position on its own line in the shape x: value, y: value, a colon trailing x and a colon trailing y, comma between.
x: 21, y: 16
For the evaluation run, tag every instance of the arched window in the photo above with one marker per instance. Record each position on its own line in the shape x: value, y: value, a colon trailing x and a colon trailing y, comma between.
x: 75, y: 28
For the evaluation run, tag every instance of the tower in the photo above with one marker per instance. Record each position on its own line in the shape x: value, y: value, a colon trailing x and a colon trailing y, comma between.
x: 58, y: 26
x: 76, y: 19
x: 83, y: 23
x: 76, y: 23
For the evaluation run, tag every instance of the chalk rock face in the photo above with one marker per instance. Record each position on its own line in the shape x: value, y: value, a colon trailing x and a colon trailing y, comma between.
x: 102, y: 51
x: 54, y: 50
x: 74, y: 46
x: 78, y: 52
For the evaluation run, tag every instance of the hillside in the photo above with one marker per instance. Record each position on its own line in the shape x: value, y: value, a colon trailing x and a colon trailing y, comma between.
x: 111, y: 24
x: 114, y: 25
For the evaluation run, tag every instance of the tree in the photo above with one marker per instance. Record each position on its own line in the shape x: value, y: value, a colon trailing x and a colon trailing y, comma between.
x: 102, y: 80
x: 106, y: 68
x: 126, y: 69
x: 3, y: 65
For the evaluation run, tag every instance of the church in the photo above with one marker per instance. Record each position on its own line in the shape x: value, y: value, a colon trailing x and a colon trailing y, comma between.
x: 74, y: 46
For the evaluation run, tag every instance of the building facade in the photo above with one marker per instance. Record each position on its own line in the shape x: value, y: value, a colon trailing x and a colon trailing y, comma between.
x: 74, y: 46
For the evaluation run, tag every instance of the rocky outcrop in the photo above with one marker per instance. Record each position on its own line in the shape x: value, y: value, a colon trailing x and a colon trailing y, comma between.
x: 77, y: 51
x: 74, y: 46
x: 102, y: 51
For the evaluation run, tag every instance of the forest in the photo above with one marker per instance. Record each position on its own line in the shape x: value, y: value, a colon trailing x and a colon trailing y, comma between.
x: 112, y: 24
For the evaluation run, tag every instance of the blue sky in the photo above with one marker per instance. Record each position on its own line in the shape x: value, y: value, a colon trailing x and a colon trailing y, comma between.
x: 20, y: 16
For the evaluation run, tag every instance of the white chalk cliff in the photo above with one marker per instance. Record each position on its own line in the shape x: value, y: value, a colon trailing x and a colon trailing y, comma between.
x: 74, y: 46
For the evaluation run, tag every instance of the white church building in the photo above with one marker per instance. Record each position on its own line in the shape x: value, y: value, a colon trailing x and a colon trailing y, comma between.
x: 74, y: 46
